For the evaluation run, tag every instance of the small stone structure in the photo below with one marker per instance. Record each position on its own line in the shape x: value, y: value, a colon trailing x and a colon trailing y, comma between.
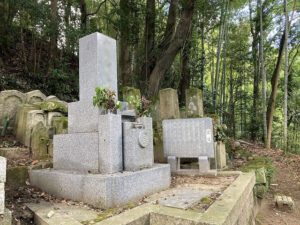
x: 283, y: 202
x: 5, y: 214
x: 9, y: 101
x: 220, y: 155
x: 168, y: 100
x: 189, y: 138
x: 88, y: 161
x: 194, y: 103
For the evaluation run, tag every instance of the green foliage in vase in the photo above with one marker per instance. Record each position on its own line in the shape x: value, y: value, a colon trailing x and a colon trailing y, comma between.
x: 141, y: 105
x: 105, y: 98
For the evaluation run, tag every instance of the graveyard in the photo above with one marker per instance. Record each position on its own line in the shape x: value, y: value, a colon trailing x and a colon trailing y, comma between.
x: 95, y: 166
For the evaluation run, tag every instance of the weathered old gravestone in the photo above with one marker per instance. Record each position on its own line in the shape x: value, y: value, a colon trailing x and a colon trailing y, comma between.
x: 130, y: 92
x: 34, y: 97
x: 21, y: 121
x: 194, y: 102
x: 33, y: 118
x: 39, y: 141
x: 188, y: 138
x: 9, y: 102
x: 5, y: 214
x: 168, y: 100
x: 88, y: 161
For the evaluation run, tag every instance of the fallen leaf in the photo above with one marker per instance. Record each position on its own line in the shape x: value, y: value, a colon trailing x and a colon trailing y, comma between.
x: 34, y: 162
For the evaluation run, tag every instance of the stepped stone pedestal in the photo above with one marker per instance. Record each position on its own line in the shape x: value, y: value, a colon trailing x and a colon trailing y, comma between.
x: 89, y: 161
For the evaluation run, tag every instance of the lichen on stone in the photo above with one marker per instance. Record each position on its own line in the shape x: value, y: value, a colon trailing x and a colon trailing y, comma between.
x: 54, y: 107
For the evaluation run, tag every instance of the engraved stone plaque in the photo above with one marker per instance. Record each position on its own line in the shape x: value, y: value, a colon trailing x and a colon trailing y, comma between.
x: 186, y: 138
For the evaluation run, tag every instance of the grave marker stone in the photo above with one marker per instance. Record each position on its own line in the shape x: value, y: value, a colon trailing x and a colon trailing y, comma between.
x: 34, y: 97
x: 88, y: 161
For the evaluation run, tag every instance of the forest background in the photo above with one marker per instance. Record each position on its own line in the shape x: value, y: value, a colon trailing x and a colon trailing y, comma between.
x: 243, y: 55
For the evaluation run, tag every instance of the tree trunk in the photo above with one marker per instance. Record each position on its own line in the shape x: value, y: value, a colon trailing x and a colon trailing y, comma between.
x: 274, y: 82
x: 185, y: 71
x: 149, y: 37
x: 53, y: 37
x: 285, y: 128
x: 220, y: 41
x: 254, y: 117
x: 165, y: 60
x: 124, y: 43
x: 262, y: 70
x: 83, y: 16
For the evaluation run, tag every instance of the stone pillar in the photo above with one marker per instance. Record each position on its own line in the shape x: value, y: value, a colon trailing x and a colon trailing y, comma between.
x: 127, y: 92
x: 5, y: 214
x: 194, y: 102
x: 220, y: 154
x: 97, y: 65
x: 168, y: 100
x: 40, y: 142
x: 110, y: 143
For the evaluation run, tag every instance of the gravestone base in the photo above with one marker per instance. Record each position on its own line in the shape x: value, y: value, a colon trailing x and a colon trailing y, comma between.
x: 102, y: 190
x: 203, y: 163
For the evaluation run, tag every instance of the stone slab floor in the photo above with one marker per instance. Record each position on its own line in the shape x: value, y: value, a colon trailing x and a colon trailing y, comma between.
x: 194, y: 193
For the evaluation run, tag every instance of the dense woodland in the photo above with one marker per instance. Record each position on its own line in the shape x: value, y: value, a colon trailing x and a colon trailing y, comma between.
x: 244, y: 55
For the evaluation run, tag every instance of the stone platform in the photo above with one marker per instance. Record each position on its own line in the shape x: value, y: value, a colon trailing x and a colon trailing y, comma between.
x: 99, y: 190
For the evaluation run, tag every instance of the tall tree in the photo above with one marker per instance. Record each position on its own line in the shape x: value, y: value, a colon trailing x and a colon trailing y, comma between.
x: 285, y: 127
x: 274, y: 82
x: 262, y: 68
x: 163, y: 63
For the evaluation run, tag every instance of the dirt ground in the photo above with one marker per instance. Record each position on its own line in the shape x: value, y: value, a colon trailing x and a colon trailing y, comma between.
x: 286, y: 182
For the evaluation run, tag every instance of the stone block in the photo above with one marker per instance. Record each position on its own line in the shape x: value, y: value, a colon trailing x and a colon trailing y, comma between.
x: 9, y: 102
x: 155, y: 109
x: 40, y: 141
x: 188, y: 138
x: 77, y: 152
x: 32, y: 119
x: 203, y: 164
x: 52, y: 98
x: 2, y: 170
x: 83, y: 117
x: 34, y: 97
x: 168, y: 101
x: 51, y: 116
x: 2, y: 198
x: 138, y: 144
x: 173, y: 164
x: 110, y: 143
x: 54, y: 107
x: 21, y: 120
x: 260, y: 190
x: 99, y: 190
x: 220, y: 155
x: 127, y: 92
x: 97, y: 64
x: 260, y: 176
x: 194, y: 103
x: 60, y: 124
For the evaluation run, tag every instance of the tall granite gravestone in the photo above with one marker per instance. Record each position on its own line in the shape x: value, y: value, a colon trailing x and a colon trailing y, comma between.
x: 88, y: 161
x: 189, y: 138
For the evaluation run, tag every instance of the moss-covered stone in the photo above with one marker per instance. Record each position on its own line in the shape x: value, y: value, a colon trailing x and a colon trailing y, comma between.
x: 40, y: 142
x: 54, y: 107
x: 260, y: 190
x: 61, y: 125
x: 194, y: 103
x: 16, y: 176
x: 168, y: 104
x: 260, y: 176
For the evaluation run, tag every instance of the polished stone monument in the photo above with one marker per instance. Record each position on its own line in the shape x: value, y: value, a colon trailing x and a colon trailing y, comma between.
x: 102, y: 160
x: 189, y: 138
